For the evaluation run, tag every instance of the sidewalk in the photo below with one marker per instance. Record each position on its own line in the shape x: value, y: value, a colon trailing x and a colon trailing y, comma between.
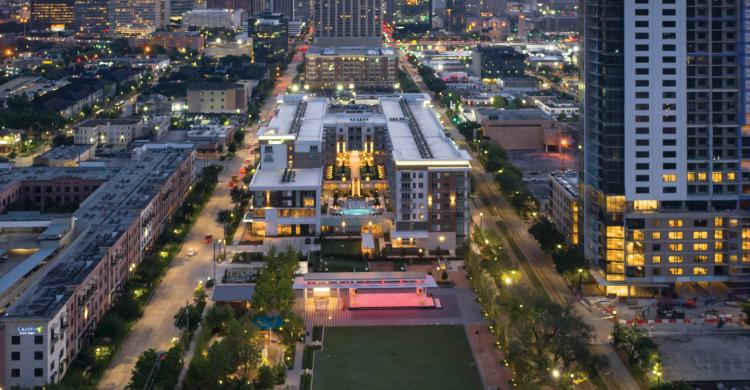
x: 488, y: 357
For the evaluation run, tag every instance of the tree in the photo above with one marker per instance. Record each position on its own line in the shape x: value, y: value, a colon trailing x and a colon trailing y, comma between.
x: 224, y: 216
x: 189, y: 315
x: 143, y: 370
x: 266, y: 377
x: 546, y: 233
x: 218, y: 317
x: 273, y: 290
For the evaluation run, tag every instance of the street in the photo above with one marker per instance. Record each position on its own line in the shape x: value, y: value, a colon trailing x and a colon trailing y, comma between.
x: 156, y: 328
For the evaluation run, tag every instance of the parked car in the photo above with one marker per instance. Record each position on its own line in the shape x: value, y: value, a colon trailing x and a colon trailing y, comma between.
x: 208, y: 238
x: 191, y: 252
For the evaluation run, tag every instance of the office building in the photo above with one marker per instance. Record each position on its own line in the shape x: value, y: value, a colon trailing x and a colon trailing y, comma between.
x: 666, y: 159
x: 177, y: 8
x: 52, y: 14
x: 229, y: 19
x: 119, y: 217
x: 138, y: 17
x: 331, y: 166
x: 270, y: 36
x: 351, y: 68
x: 284, y: 8
x: 347, y: 23
x: 302, y: 10
x: 91, y: 16
x: 216, y: 98
x: 494, y: 62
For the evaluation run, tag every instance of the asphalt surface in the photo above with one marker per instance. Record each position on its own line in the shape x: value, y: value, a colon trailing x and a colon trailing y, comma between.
x: 156, y: 328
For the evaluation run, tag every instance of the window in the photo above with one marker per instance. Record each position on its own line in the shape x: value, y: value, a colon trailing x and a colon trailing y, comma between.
x: 15, y: 355
x: 675, y: 247
x: 700, y: 246
x: 38, y: 355
x: 669, y: 177
x: 700, y: 235
x: 15, y: 372
x: 675, y: 271
x: 717, y: 177
x: 675, y: 235
x: 656, y: 236
x: 700, y: 271
x: 656, y: 259
x: 15, y: 340
x: 38, y: 339
x: 674, y: 223
x: 38, y: 372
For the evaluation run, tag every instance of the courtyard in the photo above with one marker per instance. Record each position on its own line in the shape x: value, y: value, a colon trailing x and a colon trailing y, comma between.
x: 395, y: 357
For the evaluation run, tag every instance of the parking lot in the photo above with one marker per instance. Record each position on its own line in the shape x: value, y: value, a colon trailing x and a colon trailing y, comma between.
x: 705, y: 357
x: 536, y: 167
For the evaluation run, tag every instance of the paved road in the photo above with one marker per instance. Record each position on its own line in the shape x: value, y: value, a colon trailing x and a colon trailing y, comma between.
x: 156, y: 328
x: 498, y: 209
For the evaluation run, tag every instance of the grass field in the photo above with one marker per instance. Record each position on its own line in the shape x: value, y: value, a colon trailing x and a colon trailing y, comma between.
x: 395, y: 358
x: 341, y: 248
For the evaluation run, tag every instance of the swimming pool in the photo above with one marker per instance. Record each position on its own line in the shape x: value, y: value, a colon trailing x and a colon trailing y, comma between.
x: 356, y: 211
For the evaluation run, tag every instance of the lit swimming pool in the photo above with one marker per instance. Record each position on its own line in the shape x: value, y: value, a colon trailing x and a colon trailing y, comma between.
x: 356, y: 211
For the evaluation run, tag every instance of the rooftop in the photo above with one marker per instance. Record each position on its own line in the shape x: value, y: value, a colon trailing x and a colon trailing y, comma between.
x: 115, y: 121
x: 568, y: 180
x: 65, y: 152
x: 287, y: 179
x: 351, y: 51
x: 212, y: 86
x: 102, y: 218
x: 523, y: 114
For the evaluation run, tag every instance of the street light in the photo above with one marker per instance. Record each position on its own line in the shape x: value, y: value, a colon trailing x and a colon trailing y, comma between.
x: 580, y: 275
x: 563, y: 145
x: 481, y: 221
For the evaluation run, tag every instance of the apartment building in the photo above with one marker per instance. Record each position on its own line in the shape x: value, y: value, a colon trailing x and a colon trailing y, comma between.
x: 355, y: 68
x: 666, y: 158
x: 216, y: 98
x: 348, y: 23
x: 120, y: 131
x: 51, y: 322
x: 330, y: 166
x: 229, y: 19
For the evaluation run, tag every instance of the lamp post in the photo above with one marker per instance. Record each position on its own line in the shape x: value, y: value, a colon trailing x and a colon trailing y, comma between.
x: 563, y: 145
x: 580, y: 275
x: 481, y: 221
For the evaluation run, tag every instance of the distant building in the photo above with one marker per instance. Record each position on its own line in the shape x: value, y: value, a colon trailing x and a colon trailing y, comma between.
x: 270, y: 36
x: 137, y: 17
x: 497, y: 62
x: 557, y: 107
x: 72, y: 98
x: 223, y: 49
x: 54, y: 14
x: 172, y: 40
x: 519, y: 84
x: 91, y: 16
x: 283, y: 7
x: 177, y: 8
x: 523, y: 129
x: 347, y: 22
x: 216, y: 98
x: 229, y: 19
x: 361, y: 68
x: 118, y: 132
x: 65, y: 156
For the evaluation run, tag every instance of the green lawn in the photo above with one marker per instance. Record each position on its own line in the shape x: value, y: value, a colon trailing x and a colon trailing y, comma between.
x: 341, y: 248
x: 394, y: 358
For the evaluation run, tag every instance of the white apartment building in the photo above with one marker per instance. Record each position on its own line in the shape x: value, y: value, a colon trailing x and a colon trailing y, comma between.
x: 230, y: 19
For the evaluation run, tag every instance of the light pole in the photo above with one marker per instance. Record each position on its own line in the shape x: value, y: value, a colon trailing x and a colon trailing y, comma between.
x: 580, y: 275
x: 481, y: 221
x: 563, y: 145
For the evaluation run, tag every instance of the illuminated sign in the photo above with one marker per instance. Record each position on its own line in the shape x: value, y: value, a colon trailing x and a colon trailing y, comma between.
x: 30, y: 330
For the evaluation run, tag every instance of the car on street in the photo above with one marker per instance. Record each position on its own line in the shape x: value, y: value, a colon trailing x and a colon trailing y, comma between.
x: 208, y: 238
x: 191, y: 252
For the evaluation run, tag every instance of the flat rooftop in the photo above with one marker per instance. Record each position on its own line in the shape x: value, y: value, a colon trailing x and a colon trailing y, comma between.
x: 414, y: 130
x: 287, y: 179
x: 116, y: 121
x: 568, y: 180
x: 101, y: 218
x: 351, y: 51
x: 65, y: 152
x: 523, y: 114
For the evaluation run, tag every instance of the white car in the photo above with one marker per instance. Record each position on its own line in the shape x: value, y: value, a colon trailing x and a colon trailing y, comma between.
x: 191, y: 252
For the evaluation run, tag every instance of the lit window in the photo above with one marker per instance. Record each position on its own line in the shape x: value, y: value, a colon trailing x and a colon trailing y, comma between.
x: 718, y: 234
x: 656, y: 236
x: 309, y: 202
x: 675, y: 247
x: 691, y: 176
x: 733, y: 222
x: 745, y: 233
x: 675, y: 223
x: 645, y: 205
x: 718, y: 257
x: 675, y: 235
x: 731, y: 176
x: 669, y: 177
x: 746, y: 245
x: 701, y: 246
x: 718, y: 245
x: 701, y: 258
x: 675, y: 271
x: 700, y: 235
x: 674, y: 259
x: 702, y: 176
x: 717, y: 177
x: 700, y: 271
x: 656, y: 259
x: 718, y: 221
